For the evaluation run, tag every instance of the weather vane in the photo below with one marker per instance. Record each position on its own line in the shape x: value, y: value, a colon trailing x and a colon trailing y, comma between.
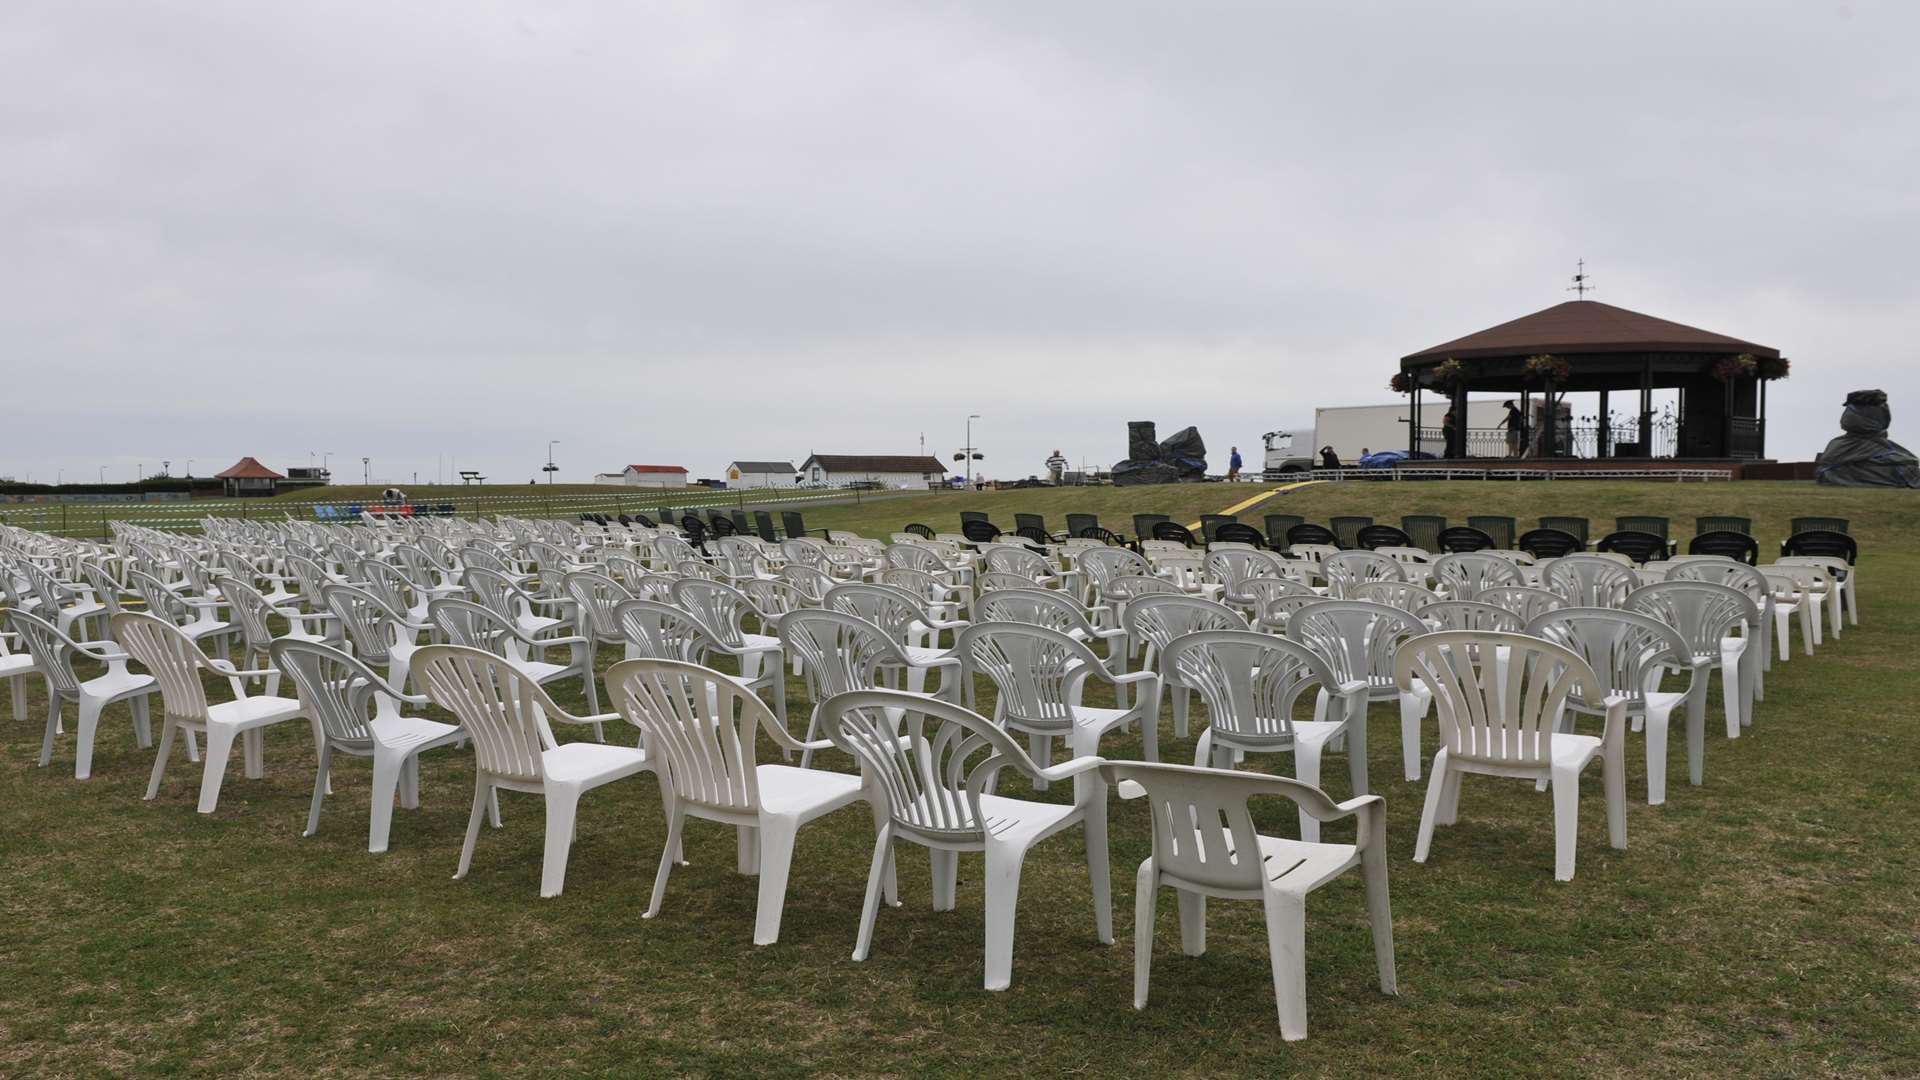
x: 1580, y: 285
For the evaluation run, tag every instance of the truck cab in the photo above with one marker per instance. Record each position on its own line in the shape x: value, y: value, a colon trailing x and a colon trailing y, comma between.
x: 1280, y: 458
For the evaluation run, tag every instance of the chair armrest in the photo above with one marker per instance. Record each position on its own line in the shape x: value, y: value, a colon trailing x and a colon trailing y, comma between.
x: 1071, y: 768
x: 1134, y: 677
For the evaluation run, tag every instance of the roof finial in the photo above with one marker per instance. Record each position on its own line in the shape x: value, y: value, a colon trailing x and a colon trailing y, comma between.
x: 1580, y: 285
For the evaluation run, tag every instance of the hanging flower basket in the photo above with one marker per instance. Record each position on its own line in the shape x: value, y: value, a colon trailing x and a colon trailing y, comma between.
x: 1546, y: 370
x: 1400, y: 383
x: 1775, y: 367
x: 1449, y: 373
x: 1735, y: 367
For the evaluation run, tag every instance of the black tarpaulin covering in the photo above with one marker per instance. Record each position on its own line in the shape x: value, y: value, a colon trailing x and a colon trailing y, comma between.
x: 1865, y: 456
x: 1183, y: 456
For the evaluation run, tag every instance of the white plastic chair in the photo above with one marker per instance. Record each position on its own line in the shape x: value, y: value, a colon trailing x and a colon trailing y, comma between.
x: 50, y: 653
x: 1591, y: 580
x: 1718, y: 623
x: 1253, y: 685
x: 508, y: 715
x: 1630, y: 652
x: 1040, y: 675
x: 932, y: 764
x: 355, y: 711
x: 1498, y: 717
x: 701, y: 727
x: 1464, y: 575
x: 1205, y: 844
x: 1358, y: 639
x: 176, y: 663
x: 1156, y: 621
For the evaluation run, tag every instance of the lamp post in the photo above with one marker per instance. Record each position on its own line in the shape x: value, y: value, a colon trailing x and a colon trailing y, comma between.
x: 366, y: 471
x: 971, y: 453
x: 550, y: 468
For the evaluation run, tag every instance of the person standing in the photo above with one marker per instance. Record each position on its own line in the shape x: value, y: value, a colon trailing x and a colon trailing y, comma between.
x: 1449, y: 431
x: 1516, y: 425
x: 1233, y: 463
x: 1057, y: 467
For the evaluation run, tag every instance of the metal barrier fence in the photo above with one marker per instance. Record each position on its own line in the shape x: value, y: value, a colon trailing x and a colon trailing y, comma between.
x: 91, y: 520
x: 1537, y: 472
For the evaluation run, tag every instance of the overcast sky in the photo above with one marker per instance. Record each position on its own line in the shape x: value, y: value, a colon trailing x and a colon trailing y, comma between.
x: 445, y: 233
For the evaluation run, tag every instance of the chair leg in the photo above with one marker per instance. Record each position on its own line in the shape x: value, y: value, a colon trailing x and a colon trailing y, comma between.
x: 1306, y: 769
x: 320, y: 777
x: 1287, y: 948
x: 1430, y: 814
x: 1002, y: 881
x: 882, y: 857
x: 1193, y: 922
x: 776, y: 862
x: 253, y: 753
x: 1566, y: 818
x: 1145, y: 893
x: 1181, y: 703
x: 1101, y: 876
x: 1733, y: 689
x: 483, y: 797
x: 53, y: 726
x: 1697, y: 726
x: 142, y: 722
x: 1373, y: 872
x: 389, y: 775
x: 85, y: 731
x: 1413, y: 710
x: 1658, y: 720
x: 676, y: 820
x: 746, y: 850
x: 167, y: 730
x: 19, y: 698
x: 563, y: 805
x: 1040, y: 748
x: 214, y: 770
x: 945, y: 866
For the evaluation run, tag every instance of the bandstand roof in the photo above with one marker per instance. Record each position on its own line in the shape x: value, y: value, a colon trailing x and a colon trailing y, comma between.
x: 1586, y: 327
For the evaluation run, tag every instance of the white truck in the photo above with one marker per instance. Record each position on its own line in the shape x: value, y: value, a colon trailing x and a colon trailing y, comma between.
x: 1350, y: 429
x: 1280, y: 458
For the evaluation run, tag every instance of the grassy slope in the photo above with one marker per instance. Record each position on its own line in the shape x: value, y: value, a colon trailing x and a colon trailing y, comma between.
x: 1759, y: 925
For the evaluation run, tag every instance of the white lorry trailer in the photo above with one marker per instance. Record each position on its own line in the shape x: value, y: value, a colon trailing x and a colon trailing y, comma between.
x: 1350, y: 429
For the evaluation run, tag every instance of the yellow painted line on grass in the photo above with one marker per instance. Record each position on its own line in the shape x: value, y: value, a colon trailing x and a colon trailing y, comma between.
x: 1264, y: 496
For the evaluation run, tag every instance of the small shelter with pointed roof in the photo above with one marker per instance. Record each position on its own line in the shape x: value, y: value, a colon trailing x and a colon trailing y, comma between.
x: 1585, y: 345
x: 248, y: 477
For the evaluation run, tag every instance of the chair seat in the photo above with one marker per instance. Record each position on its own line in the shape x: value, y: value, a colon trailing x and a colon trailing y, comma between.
x: 113, y: 683
x: 580, y: 761
x: 1008, y: 819
x: 406, y: 732
x: 253, y: 711
x: 1299, y: 867
x: 1576, y: 750
x: 921, y: 656
x: 21, y: 664
x: 785, y: 789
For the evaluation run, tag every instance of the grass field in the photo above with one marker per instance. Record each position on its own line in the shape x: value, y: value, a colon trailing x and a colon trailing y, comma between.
x: 1764, y: 924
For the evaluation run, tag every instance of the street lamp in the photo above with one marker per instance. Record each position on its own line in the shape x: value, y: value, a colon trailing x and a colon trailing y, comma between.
x: 550, y: 468
x: 971, y: 454
x: 366, y: 470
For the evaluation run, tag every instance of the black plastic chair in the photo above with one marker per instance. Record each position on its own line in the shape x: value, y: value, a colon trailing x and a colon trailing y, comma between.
x: 1143, y: 524
x: 1239, y: 532
x: 763, y: 524
x: 625, y: 520
x: 1575, y: 527
x: 1796, y: 526
x: 1423, y: 530
x: 1173, y: 530
x: 1464, y: 538
x: 1646, y: 523
x: 1737, y: 545
x: 1723, y: 523
x: 1500, y: 529
x: 1210, y: 522
x: 980, y: 530
x: 740, y: 523
x: 1308, y: 533
x: 695, y: 529
x: 1277, y: 526
x: 1347, y: 530
x: 1822, y: 542
x: 924, y: 532
x: 1034, y: 533
x: 1036, y: 522
x: 1078, y: 524
x: 796, y: 525
x: 645, y: 522
x: 1548, y: 543
x: 1105, y: 536
x: 722, y: 526
x: 1379, y: 536
x: 972, y: 515
x: 1634, y: 544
